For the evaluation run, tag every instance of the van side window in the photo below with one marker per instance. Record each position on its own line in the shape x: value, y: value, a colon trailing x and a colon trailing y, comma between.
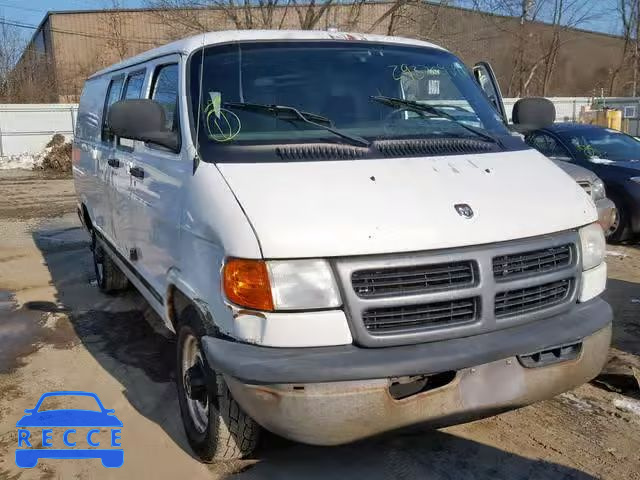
x: 113, y: 95
x: 133, y: 88
x: 165, y: 92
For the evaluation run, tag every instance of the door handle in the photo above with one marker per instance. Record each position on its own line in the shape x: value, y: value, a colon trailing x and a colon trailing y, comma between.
x: 137, y: 172
x: 114, y: 162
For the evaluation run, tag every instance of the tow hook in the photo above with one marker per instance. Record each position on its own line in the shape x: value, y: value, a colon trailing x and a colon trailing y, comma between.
x: 194, y: 383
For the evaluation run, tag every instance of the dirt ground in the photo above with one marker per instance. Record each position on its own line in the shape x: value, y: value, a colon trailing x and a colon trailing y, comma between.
x: 57, y: 332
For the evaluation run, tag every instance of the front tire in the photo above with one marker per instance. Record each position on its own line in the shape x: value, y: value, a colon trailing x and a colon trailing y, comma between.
x: 217, y: 428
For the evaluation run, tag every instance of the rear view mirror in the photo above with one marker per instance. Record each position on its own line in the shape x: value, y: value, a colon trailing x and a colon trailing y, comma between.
x: 533, y: 113
x: 142, y: 120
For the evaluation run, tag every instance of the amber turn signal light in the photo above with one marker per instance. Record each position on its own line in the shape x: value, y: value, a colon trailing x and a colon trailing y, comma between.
x: 246, y: 283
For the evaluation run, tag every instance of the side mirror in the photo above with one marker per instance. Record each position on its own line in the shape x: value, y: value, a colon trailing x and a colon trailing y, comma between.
x: 142, y: 120
x: 533, y: 113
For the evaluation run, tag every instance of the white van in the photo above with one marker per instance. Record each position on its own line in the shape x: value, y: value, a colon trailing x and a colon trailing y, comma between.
x: 342, y: 232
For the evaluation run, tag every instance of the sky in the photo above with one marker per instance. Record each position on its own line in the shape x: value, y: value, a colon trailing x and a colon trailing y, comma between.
x: 33, y: 11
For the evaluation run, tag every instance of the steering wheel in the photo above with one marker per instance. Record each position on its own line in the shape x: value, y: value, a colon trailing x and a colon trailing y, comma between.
x: 392, y: 119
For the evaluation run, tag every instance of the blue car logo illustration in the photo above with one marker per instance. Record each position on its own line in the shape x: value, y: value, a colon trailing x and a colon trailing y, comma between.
x: 67, y: 419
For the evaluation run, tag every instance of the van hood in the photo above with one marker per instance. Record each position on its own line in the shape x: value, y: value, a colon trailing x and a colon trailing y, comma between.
x: 357, y: 207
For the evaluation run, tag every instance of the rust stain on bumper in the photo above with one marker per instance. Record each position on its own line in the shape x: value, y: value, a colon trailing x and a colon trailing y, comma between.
x: 342, y: 412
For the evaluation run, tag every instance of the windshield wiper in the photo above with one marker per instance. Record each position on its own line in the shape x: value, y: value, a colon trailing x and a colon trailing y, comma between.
x: 285, y: 112
x: 434, y: 112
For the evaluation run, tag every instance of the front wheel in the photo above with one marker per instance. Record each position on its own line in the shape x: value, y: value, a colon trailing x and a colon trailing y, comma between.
x: 620, y: 230
x: 216, y: 426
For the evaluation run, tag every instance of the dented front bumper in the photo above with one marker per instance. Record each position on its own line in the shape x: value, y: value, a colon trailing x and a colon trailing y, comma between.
x: 331, y: 395
x: 336, y: 413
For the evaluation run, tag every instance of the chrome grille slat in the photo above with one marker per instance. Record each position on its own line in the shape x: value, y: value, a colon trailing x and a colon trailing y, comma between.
x: 389, y: 319
x: 515, y: 302
x: 413, y: 279
x: 421, y: 280
x: 432, y: 308
x: 393, y: 272
x: 514, y: 299
x: 526, y: 261
x: 532, y: 262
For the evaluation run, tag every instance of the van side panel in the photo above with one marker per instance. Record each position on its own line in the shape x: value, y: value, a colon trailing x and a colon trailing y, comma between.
x: 213, y: 227
x: 89, y: 175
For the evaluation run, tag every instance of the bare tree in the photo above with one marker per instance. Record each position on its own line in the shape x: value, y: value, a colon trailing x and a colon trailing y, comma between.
x: 26, y: 75
x: 538, y: 36
x: 189, y: 17
x: 629, y: 18
x: 114, y: 29
x: 195, y: 16
x: 11, y: 47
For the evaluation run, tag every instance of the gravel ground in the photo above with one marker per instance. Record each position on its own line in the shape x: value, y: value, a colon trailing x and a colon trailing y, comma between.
x: 58, y: 332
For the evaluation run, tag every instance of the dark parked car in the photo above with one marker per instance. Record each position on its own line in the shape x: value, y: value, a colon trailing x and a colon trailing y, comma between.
x: 611, y: 155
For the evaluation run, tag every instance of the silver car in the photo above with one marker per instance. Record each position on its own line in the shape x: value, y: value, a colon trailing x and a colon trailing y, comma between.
x: 594, y: 187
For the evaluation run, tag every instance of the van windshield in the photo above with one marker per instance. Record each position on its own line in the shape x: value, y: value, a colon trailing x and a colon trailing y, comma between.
x: 254, y: 93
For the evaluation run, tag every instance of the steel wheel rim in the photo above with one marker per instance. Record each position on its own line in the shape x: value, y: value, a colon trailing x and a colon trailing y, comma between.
x: 198, y: 411
x: 614, y: 226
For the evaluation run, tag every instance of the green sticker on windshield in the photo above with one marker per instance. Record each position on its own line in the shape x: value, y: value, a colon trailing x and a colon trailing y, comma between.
x: 216, y: 103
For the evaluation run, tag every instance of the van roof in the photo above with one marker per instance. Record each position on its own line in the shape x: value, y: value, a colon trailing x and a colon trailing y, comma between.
x: 189, y: 44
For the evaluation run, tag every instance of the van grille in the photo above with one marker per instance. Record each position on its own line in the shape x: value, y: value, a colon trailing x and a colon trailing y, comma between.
x: 413, y: 279
x: 416, y: 297
x: 525, y: 300
x: 393, y: 319
x: 532, y: 262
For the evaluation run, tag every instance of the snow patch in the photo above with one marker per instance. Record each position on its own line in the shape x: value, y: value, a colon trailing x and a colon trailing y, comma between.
x: 627, y: 405
x: 577, y: 402
x: 24, y: 161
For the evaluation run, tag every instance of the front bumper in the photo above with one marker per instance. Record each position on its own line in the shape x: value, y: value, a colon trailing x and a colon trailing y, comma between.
x: 336, y: 413
x: 334, y: 395
x: 607, y: 213
x: 256, y: 364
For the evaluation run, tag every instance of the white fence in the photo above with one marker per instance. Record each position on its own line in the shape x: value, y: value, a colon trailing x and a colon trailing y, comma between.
x: 26, y: 128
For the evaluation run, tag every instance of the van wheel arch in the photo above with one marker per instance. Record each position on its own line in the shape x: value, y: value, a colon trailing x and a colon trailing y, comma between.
x: 178, y: 302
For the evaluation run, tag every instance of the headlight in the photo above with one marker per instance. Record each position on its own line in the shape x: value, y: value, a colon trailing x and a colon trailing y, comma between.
x: 635, y: 179
x: 593, y: 246
x: 301, y: 284
x: 281, y: 284
x: 597, y: 190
